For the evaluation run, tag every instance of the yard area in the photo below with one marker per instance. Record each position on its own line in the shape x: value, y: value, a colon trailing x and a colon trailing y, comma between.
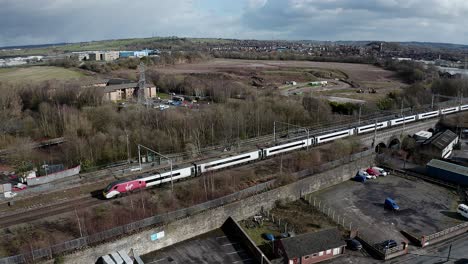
x: 38, y: 74
x: 424, y: 208
x: 297, y: 217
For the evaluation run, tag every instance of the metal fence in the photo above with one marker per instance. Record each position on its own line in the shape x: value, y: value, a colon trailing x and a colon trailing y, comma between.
x: 116, y: 232
x: 347, y: 224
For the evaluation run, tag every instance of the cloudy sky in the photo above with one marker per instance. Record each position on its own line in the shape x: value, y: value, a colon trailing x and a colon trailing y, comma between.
x: 50, y: 21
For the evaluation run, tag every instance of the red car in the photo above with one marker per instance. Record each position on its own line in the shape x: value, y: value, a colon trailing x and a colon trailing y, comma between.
x: 373, y: 172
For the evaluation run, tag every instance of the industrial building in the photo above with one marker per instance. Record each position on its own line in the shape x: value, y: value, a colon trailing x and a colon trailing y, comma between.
x: 311, y: 247
x: 440, y: 145
x: 448, y: 172
x: 135, y: 54
x: 318, y: 83
x: 104, y: 56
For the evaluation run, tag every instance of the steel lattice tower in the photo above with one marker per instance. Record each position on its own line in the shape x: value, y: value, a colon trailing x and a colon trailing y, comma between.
x: 142, y: 84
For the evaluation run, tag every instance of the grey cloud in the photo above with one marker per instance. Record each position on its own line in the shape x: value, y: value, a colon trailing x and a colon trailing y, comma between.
x: 421, y: 20
x: 48, y: 21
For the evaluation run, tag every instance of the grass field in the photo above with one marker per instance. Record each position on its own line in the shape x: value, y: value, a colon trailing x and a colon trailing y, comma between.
x: 37, y: 73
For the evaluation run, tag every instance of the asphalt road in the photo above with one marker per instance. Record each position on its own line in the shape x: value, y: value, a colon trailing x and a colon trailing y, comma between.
x: 438, y: 253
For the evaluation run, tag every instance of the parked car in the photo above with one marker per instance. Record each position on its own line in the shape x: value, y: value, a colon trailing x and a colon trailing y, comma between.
x: 373, y: 172
x: 269, y: 237
x: 19, y: 187
x: 362, y: 173
x: 353, y: 244
x: 360, y: 178
x: 382, y: 171
x: 391, y: 204
x: 387, y: 244
x: 463, y: 210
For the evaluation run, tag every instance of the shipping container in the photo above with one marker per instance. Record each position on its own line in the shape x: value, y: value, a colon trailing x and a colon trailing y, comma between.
x: 448, y: 172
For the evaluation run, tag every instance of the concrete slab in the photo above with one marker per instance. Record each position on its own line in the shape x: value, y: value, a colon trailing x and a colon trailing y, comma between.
x: 424, y: 208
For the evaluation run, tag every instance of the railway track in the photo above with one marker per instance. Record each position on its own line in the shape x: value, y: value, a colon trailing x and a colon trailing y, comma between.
x: 33, y: 214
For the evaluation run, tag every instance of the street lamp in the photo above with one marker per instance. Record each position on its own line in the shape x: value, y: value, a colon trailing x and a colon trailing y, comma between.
x: 128, y: 147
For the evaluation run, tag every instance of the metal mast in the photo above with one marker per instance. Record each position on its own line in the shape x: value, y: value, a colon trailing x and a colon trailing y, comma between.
x: 142, y: 84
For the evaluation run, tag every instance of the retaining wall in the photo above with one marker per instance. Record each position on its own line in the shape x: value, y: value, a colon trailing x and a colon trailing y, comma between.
x: 232, y: 228
x: 55, y: 176
x: 444, y: 234
x: 186, y: 228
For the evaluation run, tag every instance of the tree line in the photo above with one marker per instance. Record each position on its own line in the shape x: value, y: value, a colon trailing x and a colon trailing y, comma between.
x: 96, y: 131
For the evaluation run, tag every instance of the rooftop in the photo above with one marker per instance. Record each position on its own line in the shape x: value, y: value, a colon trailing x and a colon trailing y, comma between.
x: 462, y: 170
x: 309, y: 243
x: 111, y: 88
x: 441, y: 140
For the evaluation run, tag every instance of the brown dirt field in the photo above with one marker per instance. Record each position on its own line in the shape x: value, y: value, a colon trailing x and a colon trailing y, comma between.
x: 275, y: 73
x: 358, y: 72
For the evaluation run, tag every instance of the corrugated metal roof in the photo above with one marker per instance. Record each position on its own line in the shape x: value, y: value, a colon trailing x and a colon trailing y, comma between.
x: 442, y: 140
x: 461, y: 170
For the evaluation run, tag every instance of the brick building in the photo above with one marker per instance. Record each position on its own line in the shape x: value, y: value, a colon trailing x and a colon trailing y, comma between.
x: 311, y: 247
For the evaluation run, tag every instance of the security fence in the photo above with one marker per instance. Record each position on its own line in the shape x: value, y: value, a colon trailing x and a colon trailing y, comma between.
x: 377, y: 249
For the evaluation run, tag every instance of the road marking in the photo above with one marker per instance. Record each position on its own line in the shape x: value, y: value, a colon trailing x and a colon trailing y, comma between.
x: 235, y: 252
x: 244, y: 260
x: 228, y: 244
x: 156, y: 261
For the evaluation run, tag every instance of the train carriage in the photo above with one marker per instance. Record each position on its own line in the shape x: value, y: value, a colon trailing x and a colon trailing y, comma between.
x: 168, y: 176
x: 403, y: 120
x: 333, y: 136
x: 463, y: 107
x: 449, y: 110
x: 268, y: 152
x: 428, y: 115
x: 369, y: 128
x: 227, y: 162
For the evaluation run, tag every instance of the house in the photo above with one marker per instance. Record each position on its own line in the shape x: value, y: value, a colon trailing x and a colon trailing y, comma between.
x: 311, y: 247
x: 440, y: 145
x: 127, y: 91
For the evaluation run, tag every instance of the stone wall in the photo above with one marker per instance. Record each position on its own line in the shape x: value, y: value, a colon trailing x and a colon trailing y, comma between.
x: 209, y: 220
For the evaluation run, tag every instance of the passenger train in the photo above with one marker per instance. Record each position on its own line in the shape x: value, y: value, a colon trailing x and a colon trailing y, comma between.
x: 124, y: 186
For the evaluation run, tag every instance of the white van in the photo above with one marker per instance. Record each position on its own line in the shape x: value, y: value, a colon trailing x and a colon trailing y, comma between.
x: 463, y: 210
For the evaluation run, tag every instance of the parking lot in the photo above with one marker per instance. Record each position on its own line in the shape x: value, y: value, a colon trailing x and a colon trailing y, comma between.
x: 211, y: 248
x: 424, y: 208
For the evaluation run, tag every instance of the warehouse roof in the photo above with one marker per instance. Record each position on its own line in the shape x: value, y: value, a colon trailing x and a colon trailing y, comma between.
x: 442, y: 140
x: 451, y: 167
x: 309, y: 243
